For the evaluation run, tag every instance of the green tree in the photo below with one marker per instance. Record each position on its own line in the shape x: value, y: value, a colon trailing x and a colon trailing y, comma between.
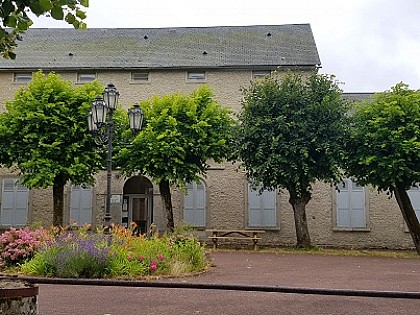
x: 44, y: 134
x: 384, y: 148
x: 291, y: 134
x: 14, y: 19
x: 181, y: 134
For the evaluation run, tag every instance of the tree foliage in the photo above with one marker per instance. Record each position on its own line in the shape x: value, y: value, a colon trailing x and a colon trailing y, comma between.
x: 44, y: 134
x: 384, y: 147
x: 14, y: 19
x: 291, y: 134
x: 180, y: 135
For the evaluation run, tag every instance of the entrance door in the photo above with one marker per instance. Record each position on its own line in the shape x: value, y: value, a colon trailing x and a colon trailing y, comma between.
x: 140, y: 213
x: 137, y: 204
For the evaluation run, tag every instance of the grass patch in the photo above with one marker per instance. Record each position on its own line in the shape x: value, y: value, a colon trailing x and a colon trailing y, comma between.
x: 319, y: 251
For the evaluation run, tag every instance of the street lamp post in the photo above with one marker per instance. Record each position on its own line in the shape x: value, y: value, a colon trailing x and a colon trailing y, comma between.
x: 103, y: 131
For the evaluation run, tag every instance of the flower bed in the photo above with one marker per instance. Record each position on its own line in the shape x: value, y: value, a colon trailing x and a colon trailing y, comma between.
x: 84, y: 254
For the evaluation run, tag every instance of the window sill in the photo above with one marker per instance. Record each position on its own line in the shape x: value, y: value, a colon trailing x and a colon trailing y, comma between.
x: 198, y: 228
x: 197, y: 82
x: 216, y: 168
x: 140, y: 83
x: 263, y: 228
x: 337, y: 229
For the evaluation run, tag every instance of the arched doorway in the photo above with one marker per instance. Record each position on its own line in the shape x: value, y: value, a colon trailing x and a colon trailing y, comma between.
x: 138, y: 203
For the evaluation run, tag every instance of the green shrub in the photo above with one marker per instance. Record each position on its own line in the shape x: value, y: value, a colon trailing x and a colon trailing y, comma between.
x: 44, y: 263
x: 188, y: 250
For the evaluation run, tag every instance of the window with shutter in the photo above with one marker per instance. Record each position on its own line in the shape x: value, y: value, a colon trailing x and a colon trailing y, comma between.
x: 414, y: 194
x: 261, y: 208
x: 14, y: 203
x: 81, y: 205
x: 195, y: 205
x: 350, y: 206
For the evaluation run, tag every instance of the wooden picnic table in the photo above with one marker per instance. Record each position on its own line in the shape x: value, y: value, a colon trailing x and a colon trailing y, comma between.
x: 234, y: 234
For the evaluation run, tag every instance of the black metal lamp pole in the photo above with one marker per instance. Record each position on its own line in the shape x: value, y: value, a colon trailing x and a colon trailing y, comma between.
x: 107, y: 218
x: 110, y: 96
x: 97, y: 122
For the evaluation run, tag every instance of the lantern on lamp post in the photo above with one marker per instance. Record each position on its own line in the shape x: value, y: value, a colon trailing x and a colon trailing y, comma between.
x: 135, y: 116
x: 101, y: 124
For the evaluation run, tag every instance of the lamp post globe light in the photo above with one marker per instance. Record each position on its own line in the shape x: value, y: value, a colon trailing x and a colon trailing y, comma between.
x: 103, y: 131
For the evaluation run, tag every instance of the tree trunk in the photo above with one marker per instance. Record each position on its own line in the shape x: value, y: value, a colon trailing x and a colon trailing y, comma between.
x: 165, y: 193
x: 409, y: 215
x: 302, y: 232
x: 58, y: 202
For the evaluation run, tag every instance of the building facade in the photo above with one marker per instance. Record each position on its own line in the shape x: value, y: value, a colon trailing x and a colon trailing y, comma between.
x: 146, y: 62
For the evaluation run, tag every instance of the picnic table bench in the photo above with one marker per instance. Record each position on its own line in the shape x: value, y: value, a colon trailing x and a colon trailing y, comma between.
x: 250, y: 235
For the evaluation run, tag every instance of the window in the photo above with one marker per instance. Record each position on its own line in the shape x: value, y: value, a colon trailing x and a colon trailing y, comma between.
x: 414, y: 194
x: 195, y: 205
x: 81, y: 205
x: 22, y: 78
x: 256, y: 74
x: 85, y: 77
x: 350, y: 206
x: 139, y: 77
x: 14, y: 203
x: 196, y: 76
x: 261, y: 208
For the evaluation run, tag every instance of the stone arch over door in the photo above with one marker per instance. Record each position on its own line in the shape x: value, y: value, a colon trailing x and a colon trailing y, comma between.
x: 137, y: 204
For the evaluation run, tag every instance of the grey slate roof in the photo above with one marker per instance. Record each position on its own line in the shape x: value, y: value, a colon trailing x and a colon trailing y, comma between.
x: 189, y: 47
x: 358, y: 97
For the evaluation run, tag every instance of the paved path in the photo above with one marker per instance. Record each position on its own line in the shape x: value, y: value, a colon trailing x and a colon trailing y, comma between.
x: 254, y: 268
x: 358, y: 273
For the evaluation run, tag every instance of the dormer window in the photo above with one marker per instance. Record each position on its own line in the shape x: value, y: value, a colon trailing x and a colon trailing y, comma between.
x: 22, y: 77
x: 256, y: 74
x: 196, y: 76
x: 140, y: 77
x: 86, y: 77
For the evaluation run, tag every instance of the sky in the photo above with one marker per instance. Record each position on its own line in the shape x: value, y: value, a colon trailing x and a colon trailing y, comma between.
x: 369, y: 45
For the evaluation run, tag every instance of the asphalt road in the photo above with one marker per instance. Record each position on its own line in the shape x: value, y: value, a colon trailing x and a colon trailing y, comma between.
x: 253, y: 268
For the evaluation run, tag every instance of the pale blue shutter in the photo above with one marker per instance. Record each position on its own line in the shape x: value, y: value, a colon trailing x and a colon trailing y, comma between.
x: 261, y: 208
x: 81, y: 205
x: 414, y: 194
x: 189, y: 216
x: 254, y: 208
x: 350, y: 202
x: 195, y: 205
x: 14, y: 206
x: 357, y: 212
x: 343, y: 205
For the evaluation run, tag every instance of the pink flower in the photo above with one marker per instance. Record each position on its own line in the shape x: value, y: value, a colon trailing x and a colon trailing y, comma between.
x: 140, y: 258
x: 129, y: 257
x: 153, y: 265
x: 161, y: 257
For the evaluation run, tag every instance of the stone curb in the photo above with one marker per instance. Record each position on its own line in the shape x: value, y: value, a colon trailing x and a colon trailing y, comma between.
x: 213, y: 286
